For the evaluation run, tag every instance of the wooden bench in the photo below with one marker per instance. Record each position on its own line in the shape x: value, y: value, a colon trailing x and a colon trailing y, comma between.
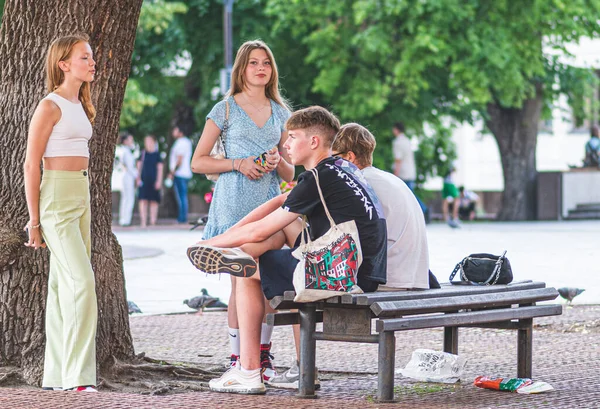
x: 349, y: 318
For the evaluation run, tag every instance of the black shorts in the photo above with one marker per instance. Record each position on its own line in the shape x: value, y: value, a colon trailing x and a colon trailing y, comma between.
x: 277, y: 272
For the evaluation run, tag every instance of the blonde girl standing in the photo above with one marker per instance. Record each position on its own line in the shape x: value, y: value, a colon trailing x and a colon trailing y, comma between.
x: 59, y: 212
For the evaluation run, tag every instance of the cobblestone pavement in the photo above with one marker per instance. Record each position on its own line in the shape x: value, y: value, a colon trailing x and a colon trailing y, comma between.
x: 566, y: 355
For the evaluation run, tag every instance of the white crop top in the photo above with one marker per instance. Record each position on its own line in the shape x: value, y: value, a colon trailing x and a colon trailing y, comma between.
x: 71, y: 133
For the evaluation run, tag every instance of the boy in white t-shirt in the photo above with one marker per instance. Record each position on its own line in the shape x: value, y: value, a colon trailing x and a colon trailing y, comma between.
x: 407, y: 250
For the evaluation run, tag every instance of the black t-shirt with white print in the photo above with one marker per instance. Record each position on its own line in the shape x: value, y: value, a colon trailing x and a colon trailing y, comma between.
x: 348, y: 197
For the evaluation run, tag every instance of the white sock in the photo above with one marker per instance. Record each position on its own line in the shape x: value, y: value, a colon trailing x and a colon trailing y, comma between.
x: 234, y: 341
x: 265, y: 333
x: 249, y: 371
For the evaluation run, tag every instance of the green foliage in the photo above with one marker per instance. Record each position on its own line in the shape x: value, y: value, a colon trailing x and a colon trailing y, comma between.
x: 158, y: 40
x: 136, y: 101
x: 373, y: 62
x: 577, y: 84
x: 418, y: 61
x: 1, y: 9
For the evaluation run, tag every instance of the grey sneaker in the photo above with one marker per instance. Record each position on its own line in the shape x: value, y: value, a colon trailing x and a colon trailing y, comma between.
x: 290, y: 379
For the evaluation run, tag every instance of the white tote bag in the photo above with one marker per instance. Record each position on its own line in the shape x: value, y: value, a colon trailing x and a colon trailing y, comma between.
x: 329, y: 265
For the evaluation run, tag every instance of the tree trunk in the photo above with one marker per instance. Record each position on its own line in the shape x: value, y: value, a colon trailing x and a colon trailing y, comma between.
x: 515, y: 130
x: 27, y: 30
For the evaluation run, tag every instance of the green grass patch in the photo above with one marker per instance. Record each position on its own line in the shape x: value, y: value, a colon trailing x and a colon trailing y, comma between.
x: 423, y: 388
x: 419, y: 389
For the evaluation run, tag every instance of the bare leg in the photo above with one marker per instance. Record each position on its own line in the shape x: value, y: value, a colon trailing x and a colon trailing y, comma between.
x: 445, y: 209
x: 274, y: 242
x: 143, y: 212
x: 455, y: 209
x: 296, y: 329
x: 251, y: 310
x: 153, y: 213
x: 232, y: 319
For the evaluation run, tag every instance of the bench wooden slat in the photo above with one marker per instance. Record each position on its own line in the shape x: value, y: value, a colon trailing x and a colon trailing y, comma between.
x: 286, y: 301
x: 289, y: 318
x: 472, y: 301
x: 467, y: 318
x: 447, y: 290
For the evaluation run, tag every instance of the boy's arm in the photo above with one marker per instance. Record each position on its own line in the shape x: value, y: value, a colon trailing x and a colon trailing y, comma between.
x: 254, y: 232
x: 263, y: 210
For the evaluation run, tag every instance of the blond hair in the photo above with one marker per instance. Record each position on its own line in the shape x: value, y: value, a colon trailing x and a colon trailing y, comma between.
x: 355, y: 138
x: 238, y: 80
x: 60, y: 50
x: 315, y: 120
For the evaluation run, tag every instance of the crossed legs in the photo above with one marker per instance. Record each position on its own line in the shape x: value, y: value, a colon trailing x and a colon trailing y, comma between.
x: 250, y: 298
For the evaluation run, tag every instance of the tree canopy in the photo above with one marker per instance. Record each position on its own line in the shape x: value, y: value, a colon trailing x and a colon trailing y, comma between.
x: 438, y: 62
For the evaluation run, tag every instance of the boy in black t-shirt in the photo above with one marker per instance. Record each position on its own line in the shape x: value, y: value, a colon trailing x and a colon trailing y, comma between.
x: 348, y: 196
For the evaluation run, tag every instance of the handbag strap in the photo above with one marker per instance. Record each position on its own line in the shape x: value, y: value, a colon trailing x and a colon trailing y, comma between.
x: 225, y: 127
x: 496, y: 271
x: 457, y: 268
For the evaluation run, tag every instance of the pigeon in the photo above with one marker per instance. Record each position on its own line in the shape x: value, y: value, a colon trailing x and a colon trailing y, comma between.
x: 133, y: 307
x: 204, y: 301
x: 200, y: 222
x: 568, y: 293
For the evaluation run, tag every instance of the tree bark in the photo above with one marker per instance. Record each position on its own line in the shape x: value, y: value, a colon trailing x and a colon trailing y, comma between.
x: 27, y: 30
x: 515, y: 130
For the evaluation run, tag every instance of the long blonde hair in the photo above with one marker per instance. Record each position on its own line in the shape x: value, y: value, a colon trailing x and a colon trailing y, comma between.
x: 60, y: 50
x: 238, y: 82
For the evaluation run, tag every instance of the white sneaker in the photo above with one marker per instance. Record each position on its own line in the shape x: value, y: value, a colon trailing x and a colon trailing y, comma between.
x: 214, y: 260
x: 290, y: 379
x: 236, y: 381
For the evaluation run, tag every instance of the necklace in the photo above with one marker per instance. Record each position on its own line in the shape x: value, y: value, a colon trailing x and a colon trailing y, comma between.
x: 254, y: 106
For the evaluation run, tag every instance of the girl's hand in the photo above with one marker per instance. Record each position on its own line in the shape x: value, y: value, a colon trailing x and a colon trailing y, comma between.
x: 273, y: 159
x: 158, y: 184
x: 35, y: 237
x: 250, y: 169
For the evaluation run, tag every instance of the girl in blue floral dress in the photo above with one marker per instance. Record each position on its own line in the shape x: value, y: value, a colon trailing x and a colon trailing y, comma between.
x: 256, y: 124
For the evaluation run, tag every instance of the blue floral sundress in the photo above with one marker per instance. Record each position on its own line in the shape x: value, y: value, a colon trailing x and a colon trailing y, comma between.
x: 235, y: 195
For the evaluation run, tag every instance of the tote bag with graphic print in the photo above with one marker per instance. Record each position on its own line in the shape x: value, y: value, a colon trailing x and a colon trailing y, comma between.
x: 328, y: 266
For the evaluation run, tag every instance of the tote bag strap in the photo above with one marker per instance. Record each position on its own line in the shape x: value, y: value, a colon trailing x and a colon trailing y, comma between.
x: 304, y: 236
x: 314, y: 172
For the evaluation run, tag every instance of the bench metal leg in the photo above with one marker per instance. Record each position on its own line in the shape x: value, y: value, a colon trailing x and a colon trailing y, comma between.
x: 306, y: 387
x: 524, y: 348
x: 387, y: 359
x: 451, y: 340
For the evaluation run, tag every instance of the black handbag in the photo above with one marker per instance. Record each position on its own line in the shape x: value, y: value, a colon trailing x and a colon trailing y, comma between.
x: 483, y: 269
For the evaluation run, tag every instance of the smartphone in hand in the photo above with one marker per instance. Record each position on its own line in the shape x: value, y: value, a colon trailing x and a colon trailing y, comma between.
x: 261, y: 159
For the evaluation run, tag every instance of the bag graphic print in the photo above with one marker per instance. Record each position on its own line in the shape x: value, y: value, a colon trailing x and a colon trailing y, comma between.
x: 328, y: 266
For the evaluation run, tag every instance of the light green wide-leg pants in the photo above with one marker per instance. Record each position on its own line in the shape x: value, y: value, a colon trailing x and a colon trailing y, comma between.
x: 71, y: 308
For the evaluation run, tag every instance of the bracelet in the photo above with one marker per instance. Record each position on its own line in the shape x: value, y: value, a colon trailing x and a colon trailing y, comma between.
x: 240, y: 165
x: 232, y: 165
x: 37, y: 226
